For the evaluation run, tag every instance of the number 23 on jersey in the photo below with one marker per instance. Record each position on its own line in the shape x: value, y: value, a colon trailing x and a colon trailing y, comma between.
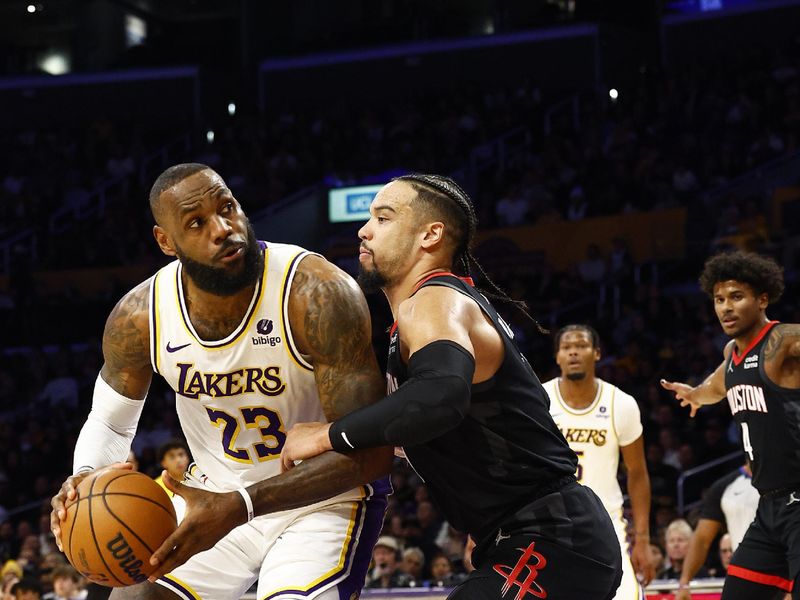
x: 269, y: 424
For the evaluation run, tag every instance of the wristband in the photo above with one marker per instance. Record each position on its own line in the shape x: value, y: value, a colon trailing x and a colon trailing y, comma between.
x: 248, y: 503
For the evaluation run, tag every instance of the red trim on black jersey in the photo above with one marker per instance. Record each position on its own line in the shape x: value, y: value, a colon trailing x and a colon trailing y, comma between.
x: 738, y: 358
x: 762, y: 578
x: 442, y: 274
x: 393, y: 329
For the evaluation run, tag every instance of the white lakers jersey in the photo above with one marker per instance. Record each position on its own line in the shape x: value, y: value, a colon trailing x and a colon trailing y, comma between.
x: 595, y: 434
x: 235, y: 397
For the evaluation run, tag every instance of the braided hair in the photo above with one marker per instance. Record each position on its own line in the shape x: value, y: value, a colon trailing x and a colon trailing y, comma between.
x: 441, y: 194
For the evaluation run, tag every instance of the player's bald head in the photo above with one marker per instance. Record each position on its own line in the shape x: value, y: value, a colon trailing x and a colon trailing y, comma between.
x: 169, y: 178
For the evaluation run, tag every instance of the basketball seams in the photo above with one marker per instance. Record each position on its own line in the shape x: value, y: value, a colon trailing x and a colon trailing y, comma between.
x: 125, y: 525
x: 72, y: 527
x: 94, y: 538
x: 132, y: 495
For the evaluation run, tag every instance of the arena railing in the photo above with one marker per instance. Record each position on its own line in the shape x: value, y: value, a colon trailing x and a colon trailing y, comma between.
x: 700, y: 470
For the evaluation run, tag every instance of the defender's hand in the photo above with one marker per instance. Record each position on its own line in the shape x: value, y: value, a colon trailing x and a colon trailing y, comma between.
x: 209, y: 517
x: 69, y: 494
x: 303, y: 441
x: 684, y: 393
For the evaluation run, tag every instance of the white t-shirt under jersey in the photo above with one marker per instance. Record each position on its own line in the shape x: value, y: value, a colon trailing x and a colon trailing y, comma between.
x: 596, y: 434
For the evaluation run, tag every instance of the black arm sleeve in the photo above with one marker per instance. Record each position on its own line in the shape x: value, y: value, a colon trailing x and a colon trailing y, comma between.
x: 433, y: 401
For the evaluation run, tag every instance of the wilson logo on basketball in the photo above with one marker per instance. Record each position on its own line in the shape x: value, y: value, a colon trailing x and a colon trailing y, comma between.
x: 123, y: 553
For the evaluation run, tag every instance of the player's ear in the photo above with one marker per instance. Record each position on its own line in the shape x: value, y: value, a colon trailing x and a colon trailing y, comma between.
x: 163, y: 241
x: 432, y: 234
x: 597, y: 354
x: 763, y: 301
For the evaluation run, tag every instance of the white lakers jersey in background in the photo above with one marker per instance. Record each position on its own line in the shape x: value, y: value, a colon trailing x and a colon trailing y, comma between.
x: 235, y: 397
x: 595, y: 434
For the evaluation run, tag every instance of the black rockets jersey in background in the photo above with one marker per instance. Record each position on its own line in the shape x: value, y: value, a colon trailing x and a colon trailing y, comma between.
x: 768, y: 415
x: 506, y: 452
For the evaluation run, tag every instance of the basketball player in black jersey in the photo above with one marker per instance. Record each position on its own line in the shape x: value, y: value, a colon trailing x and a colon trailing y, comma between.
x: 468, y: 410
x: 760, y: 377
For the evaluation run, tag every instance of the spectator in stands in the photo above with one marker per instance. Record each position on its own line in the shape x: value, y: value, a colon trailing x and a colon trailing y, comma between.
x: 412, y: 565
x: 656, y: 557
x: 442, y: 572
x: 385, y: 573
x: 677, y: 539
x: 27, y: 589
x: 725, y: 552
x: 67, y: 584
x: 592, y: 269
x: 173, y: 457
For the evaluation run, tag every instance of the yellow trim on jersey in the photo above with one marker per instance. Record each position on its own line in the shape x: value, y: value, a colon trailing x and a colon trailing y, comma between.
x: 342, y: 556
x: 184, y: 585
x: 284, y: 299
x: 613, y: 424
x: 582, y: 411
x: 243, y: 326
x: 154, y: 311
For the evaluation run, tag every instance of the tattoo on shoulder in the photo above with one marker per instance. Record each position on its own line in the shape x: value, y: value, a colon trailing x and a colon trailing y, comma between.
x: 337, y: 333
x: 126, y: 336
x: 336, y: 318
x: 780, y: 336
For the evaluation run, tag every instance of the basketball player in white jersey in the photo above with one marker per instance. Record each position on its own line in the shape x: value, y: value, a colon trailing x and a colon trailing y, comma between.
x: 253, y: 337
x: 598, y: 421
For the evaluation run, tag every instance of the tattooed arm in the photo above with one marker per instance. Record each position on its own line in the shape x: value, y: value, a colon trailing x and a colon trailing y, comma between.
x: 330, y: 323
x: 782, y: 355
x: 119, y: 393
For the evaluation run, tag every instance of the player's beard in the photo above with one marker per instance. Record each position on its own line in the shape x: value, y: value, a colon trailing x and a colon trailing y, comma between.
x: 576, y: 376
x: 371, y: 281
x: 219, y: 280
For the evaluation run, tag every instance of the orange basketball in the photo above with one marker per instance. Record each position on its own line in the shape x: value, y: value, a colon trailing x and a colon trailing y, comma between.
x: 119, y: 520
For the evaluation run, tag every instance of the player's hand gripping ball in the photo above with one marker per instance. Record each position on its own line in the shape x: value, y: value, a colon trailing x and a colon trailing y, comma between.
x: 119, y: 518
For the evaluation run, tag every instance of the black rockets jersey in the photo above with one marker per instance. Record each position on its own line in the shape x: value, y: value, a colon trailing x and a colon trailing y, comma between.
x: 769, y: 417
x: 505, y: 453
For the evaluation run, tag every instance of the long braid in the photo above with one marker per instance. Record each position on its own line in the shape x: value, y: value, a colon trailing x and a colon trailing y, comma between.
x: 463, y: 258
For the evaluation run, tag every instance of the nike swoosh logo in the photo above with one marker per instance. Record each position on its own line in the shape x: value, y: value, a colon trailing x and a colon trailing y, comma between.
x: 176, y: 348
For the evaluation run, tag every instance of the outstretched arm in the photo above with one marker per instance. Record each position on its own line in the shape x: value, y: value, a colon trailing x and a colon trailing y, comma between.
x: 710, y: 391
x: 330, y: 322
x: 105, y: 438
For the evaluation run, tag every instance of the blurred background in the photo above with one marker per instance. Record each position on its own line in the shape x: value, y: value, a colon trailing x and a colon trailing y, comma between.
x: 609, y: 147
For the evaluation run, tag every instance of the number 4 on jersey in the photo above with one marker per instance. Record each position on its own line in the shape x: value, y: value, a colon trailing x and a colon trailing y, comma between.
x: 748, y: 448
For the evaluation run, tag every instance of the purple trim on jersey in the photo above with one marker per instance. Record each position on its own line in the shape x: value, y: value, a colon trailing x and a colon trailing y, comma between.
x: 262, y: 245
x: 177, y: 586
x: 373, y: 524
x: 357, y: 554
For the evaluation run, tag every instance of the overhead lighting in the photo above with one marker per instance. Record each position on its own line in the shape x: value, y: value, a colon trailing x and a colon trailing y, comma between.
x: 210, y: 136
x: 55, y: 63
x: 613, y: 93
x: 31, y: 8
x: 231, y: 108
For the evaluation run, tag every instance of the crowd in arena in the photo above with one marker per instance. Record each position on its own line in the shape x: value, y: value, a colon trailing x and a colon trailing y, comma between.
x: 663, y: 144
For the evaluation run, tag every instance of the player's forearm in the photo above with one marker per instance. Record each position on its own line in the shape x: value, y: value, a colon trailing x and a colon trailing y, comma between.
x: 712, y: 389
x: 695, y: 557
x: 320, y: 478
x: 639, y: 492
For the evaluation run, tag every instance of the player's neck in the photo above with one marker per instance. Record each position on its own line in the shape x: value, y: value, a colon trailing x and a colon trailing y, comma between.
x: 578, y: 393
x: 405, y: 288
x: 746, y: 338
x: 202, y: 302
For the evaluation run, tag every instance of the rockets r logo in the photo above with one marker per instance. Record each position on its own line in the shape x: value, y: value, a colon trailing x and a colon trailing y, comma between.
x: 527, y: 585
